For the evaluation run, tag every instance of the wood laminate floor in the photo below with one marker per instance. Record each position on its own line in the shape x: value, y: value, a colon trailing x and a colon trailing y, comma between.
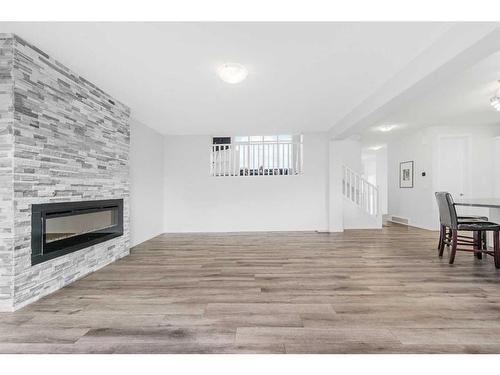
x: 362, y: 291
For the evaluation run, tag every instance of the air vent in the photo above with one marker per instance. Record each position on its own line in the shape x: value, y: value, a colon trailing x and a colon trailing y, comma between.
x: 399, y: 220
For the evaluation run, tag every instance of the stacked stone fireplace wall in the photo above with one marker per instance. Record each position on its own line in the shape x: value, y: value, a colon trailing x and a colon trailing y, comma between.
x: 61, y: 139
x: 6, y: 174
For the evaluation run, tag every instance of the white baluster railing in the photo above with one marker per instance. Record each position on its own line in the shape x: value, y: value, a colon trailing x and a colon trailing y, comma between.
x: 359, y: 191
x: 261, y: 159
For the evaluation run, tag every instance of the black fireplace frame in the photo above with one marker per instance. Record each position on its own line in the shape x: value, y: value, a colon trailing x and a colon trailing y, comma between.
x: 42, y: 251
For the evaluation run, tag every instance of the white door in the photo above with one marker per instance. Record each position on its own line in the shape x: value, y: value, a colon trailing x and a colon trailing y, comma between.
x: 453, y: 166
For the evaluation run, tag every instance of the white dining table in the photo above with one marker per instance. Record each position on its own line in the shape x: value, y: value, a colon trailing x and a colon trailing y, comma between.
x: 493, y: 204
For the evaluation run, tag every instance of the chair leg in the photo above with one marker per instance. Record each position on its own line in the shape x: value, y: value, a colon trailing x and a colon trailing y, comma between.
x: 478, y: 239
x: 442, y: 237
x: 441, y: 230
x: 496, y: 248
x: 454, y: 240
x: 441, y: 240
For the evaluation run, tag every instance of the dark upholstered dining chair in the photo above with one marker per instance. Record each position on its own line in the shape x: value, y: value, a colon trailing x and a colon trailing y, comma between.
x: 444, y: 231
x: 450, y: 221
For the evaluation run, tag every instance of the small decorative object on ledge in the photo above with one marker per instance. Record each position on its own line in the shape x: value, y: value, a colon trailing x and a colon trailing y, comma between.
x: 406, y: 174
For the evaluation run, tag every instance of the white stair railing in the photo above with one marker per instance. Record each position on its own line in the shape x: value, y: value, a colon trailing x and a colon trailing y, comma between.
x: 359, y: 191
x: 284, y: 158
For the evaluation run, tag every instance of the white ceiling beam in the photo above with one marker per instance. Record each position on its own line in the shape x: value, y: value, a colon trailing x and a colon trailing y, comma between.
x: 464, y: 45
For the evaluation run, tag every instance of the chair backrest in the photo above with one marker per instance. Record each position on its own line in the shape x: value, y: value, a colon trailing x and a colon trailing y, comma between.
x: 447, y: 211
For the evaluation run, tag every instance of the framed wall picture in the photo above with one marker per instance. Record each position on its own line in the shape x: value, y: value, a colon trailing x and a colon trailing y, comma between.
x: 406, y: 174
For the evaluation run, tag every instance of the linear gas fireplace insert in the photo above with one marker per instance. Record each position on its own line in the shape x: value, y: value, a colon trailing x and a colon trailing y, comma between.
x: 61, y: 228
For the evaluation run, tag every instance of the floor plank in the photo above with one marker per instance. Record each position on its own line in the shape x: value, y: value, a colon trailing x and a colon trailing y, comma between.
x: 361, y: 291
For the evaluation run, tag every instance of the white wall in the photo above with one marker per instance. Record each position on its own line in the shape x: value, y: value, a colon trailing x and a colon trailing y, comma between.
x: 369, y: 171
x: 415, y: 204
x: 381, y: 179
x: 356, y: 218
x: 198, y: 202
x: 418, y: 204
x: 496, y: 166
x: 375, y: 171
x: 337, y: 151
x: 146, y: 183
x: 351, y: 154
x: 344, y: 214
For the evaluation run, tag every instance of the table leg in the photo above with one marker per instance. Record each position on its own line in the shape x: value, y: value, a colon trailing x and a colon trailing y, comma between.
x: 494, y: 217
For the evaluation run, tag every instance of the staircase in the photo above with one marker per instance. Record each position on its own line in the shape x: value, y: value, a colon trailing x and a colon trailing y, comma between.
x: 363, y: 197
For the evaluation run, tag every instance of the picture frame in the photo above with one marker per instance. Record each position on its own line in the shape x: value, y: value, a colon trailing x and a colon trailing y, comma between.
x: 406, y: 174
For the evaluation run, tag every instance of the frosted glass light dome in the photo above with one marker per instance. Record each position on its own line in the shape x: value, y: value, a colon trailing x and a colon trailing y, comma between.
x: 232, y: 73
x: 386, y: 128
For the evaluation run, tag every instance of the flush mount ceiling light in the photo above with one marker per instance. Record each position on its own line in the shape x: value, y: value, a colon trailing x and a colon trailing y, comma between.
x: 386, y: 128
x: 375, y: 148
x: 232, y: 72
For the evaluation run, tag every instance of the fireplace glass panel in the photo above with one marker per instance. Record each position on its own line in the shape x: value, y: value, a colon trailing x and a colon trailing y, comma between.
x: 59, y: 228
x: 63, y: 227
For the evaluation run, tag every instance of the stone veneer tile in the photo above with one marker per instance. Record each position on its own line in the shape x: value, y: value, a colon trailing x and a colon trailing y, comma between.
x: 61, y: 139
x: 6, y: 173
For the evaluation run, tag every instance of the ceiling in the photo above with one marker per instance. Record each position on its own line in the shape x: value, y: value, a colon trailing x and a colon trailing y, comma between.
x: 302, y: 76
x: 462, y: 100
